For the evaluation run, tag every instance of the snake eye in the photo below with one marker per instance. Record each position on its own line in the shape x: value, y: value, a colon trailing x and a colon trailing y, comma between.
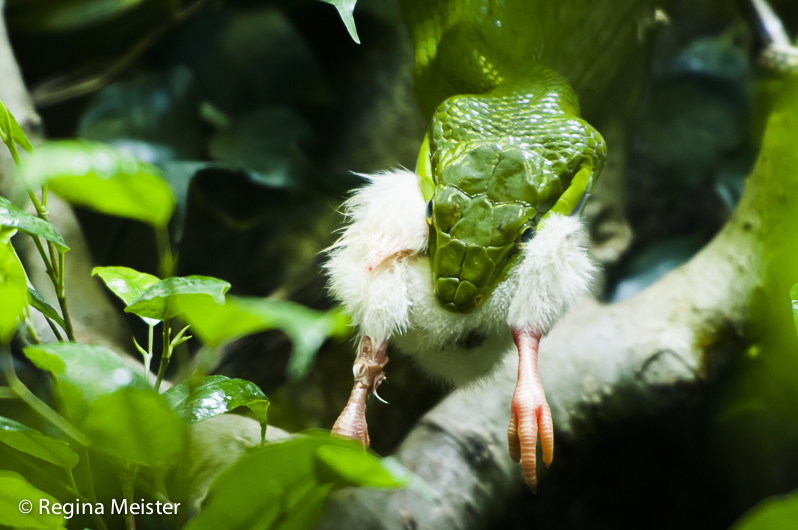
x: 527, y: 234
x: 429, y: 211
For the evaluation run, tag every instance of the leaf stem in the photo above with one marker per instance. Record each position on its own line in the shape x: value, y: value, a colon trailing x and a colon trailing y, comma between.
x: 54, y: 328
x: 166, y: 263
x: 127, y: 478
x: 167, y: 352
x: 92, y: 494
x: 54, y: 265
x: 35, y: 403
x: 49, y: 266
x: 62, y: 301
x: 69, y: 489
x: 29, y: 323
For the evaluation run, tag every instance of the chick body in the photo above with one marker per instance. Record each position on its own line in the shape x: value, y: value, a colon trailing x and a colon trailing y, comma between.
x: 380, y: 271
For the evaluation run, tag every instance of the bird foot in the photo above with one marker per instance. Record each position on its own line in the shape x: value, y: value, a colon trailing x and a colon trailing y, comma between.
x: 368, y: 371
x: 530, y: 411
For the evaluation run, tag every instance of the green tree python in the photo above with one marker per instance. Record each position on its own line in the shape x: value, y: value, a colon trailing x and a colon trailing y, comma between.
x: 480, y: 250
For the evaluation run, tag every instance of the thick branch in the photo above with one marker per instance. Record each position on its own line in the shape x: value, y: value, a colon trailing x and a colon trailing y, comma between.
x: 616, y: 359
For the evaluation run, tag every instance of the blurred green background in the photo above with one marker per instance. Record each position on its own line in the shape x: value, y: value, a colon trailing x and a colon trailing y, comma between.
x: 261, y: 113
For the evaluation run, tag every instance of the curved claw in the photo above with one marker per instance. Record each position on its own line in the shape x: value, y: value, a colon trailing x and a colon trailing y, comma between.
x: 368, y: 376
x: 530, y: 411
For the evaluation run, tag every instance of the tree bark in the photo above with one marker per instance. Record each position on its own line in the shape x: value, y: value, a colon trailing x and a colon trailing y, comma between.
x: 95, y: 319
x: 604, y: 360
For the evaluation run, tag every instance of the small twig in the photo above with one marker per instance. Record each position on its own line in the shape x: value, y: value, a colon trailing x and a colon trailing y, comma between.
x: 50, y: 93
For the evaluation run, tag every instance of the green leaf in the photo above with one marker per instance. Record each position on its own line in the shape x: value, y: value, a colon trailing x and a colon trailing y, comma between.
x: 307, y: 328
x: 102, y: 178
x: 38, y: 302
x: 216, y: 395
x: 284, y: 485
x: 12, y: 217
x: 6, y: 234
x: 775, y: 513
x: 19, y: 135
x: 34, y: 443
x: 84, y: 372
x: 171, y: 296
x: 14, y: 489
x: 356, y: 467
x: 13, y: 292
x: 137, y: 425
x: 345, y: 9
x: 127, y: 284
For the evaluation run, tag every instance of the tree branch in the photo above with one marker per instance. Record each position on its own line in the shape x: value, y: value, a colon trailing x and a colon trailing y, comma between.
x: 604, y: 361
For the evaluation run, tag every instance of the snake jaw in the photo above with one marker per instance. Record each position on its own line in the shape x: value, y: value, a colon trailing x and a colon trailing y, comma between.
x: 498, y: 163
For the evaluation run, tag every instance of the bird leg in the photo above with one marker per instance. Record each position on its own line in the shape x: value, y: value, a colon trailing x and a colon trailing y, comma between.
x: 368, y: 376
x: 530, y: 412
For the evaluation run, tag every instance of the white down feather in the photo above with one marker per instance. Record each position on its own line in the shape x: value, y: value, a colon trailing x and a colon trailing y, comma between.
x: 380, y: 272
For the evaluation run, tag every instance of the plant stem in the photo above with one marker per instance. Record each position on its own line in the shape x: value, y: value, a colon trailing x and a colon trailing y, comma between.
x: 92, y: 494
x: 62, y: 301
x: 54, y: 328
x: 166, y: 264
x: 148, y: 357
x: 10, y: 142
x: 7, y: 393
x: 167, y: 352
x: 29, y: 323
x: 49, y: 266
x: 69, y: 489
x: 127, y: 478
x: 35, y: 403
x: 54, y: 265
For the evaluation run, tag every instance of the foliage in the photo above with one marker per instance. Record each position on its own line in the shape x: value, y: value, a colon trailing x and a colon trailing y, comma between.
x: 34, y: 443
x: 14, y: 490
x: 218, y: 324
x: 14, y: 218
x: 214, y: 395
x: 345, y: 9
x: 776, y: 513
x: 107, y: 410
x: 295, y: 477
x: 13, y: 292
x: 102, y: 178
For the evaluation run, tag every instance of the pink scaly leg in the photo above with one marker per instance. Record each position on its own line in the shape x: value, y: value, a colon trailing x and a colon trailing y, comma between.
x: 368, y: 376
x: 530, y: 412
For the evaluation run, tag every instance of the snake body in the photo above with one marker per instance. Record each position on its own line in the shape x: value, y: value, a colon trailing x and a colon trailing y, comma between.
x: 505, y: 162
x: 506, y: 144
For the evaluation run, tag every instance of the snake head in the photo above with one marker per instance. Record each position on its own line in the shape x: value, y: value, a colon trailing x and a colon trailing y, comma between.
x: 493, y: 168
